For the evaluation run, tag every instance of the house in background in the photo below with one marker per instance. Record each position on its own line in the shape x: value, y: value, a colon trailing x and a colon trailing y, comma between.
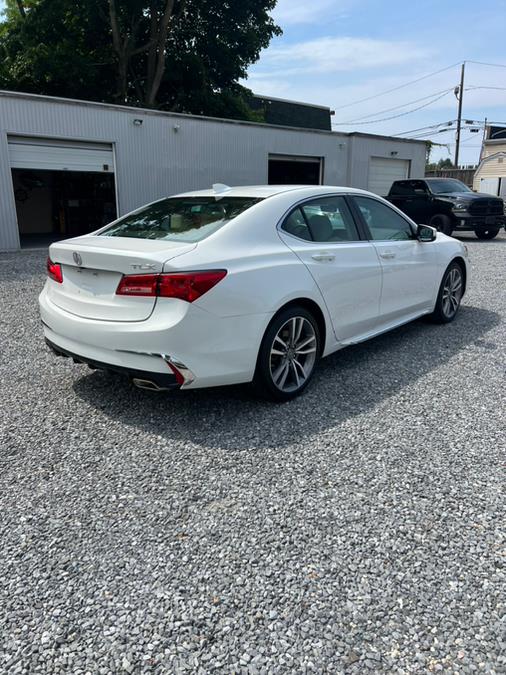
x: 490, y: 175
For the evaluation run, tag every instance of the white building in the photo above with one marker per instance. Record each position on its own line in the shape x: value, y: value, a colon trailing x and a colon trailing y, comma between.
x: 490, y: 175
x: 67, y: 167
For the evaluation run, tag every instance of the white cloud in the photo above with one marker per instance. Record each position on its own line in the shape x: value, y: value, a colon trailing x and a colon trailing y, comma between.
x: 289, y: 12
x: 335, y: 54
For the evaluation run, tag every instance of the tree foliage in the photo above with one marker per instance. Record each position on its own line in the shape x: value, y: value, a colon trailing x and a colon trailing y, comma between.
x: 441, y: 164
x: 184, y: 55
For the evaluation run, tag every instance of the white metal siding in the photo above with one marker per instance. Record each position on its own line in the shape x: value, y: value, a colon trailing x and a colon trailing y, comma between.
x: 33, y: 153
x: 383, y: 171
x: 172, y: 153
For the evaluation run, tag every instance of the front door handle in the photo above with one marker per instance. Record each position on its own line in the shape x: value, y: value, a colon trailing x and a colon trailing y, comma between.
x: 324, y: 256
x: 387, y: 255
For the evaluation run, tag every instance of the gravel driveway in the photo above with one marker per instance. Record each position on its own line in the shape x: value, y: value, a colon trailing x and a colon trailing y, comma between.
x: 360, y: 528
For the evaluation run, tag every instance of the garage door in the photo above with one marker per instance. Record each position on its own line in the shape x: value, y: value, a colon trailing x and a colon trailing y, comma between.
x: 295, y: 170
x: 55, y: 155
x: 383, y: 171
x: 489, y: 185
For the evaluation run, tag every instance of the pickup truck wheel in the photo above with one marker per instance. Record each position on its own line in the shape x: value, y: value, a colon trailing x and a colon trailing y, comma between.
x: 442, y: 223
x: 486, y: 232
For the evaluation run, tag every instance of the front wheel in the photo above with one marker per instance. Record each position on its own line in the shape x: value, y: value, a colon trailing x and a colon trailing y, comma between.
x: 486, y: 232
x: 442, y: 223
x: 450, y: 294
x: 288, y: 355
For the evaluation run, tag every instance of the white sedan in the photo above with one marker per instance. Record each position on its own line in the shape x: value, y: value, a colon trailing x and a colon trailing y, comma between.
x: 245, y: 284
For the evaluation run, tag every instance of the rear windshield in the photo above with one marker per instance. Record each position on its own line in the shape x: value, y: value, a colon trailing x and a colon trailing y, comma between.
x: 449, y: 185
x: 187, y: 219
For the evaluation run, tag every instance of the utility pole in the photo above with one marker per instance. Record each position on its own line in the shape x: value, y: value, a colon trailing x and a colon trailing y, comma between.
x: 483, y: 139
x: 459, y: 92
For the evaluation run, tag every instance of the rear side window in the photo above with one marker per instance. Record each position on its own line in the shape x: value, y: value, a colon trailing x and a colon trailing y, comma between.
x: 327, y: 219
x: 411, y: 187
x: 296, y: 224
x: 188, y: 219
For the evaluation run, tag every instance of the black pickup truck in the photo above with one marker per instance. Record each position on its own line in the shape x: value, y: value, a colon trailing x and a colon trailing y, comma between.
x: 448, y: 205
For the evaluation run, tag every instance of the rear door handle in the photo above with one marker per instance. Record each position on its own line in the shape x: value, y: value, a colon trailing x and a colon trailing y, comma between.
x: 387, y: 255
x: 324, y: 256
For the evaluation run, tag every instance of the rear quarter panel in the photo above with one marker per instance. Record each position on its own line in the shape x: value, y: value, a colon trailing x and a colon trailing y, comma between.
x: 263, y: 274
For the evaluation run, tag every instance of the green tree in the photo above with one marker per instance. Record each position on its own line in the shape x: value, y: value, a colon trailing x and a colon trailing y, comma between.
x: 184, y: 55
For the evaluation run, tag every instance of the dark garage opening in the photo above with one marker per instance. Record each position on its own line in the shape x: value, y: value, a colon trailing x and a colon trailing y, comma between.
x: 54, y: 205
x: 295, y: 170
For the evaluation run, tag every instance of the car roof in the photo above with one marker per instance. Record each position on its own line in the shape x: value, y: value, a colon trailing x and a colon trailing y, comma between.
x: 439, y: 178
x: 263, y: 191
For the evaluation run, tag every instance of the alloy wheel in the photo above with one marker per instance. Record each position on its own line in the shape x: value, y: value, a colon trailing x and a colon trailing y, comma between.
x: 293, y: 354
x: 452, y: 292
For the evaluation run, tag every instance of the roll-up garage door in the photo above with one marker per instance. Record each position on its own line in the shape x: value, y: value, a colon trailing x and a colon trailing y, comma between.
x: 295, y: 170
x: 383, y: 171
x: 56, y: 155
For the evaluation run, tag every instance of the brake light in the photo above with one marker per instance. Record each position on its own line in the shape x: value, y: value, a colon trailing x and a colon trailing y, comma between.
x: 186, y: 286
x: 138, y: 284
x: 54, y: 271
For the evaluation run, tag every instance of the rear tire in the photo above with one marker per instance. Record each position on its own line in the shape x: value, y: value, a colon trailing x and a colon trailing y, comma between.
x: 486, y: 232
x: 288, y: 355
x: 450, y: 294
x: 442, y: 223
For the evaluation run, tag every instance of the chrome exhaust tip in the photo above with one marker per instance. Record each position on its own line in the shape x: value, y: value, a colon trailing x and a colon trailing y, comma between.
x: 147, y: 384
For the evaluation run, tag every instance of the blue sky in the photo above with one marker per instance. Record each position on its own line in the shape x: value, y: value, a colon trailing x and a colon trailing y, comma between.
x: 335, y: 52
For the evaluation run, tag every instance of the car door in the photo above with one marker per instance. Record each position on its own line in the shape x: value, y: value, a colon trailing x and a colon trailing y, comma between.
x: 323, y: 234
x: 413, y: 198
x: 410, y: 270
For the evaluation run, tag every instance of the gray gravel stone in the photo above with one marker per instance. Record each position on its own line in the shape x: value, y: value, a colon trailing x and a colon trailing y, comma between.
x: 360, y: 528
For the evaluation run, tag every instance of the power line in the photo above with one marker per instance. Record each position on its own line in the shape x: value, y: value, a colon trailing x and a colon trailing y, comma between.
x: 401, y: 86
x: 441, y: 131
x: 492, y: 65
x: 408, y: 112
x: 498, y: 88
x: 431, y: 126
x: 397, y: 107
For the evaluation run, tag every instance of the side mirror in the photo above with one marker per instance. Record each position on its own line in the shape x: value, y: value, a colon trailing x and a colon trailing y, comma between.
x: 426, y: 233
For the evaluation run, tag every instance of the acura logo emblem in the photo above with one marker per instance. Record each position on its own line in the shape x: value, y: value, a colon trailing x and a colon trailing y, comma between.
x: 77, y: 258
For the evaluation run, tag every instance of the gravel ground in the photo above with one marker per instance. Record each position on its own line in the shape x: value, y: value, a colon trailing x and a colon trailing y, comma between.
x: 360, y: 528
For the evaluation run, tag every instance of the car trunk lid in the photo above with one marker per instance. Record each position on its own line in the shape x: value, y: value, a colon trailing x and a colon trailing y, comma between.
x: 93, y: 266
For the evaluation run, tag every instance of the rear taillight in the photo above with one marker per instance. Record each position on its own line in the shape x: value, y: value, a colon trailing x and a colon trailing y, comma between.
x: 138, y: 284
x: 186, y: 286
x: 54, y: 271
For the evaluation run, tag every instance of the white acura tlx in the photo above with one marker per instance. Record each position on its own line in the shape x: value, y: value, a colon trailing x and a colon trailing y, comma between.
x: 245, y: 284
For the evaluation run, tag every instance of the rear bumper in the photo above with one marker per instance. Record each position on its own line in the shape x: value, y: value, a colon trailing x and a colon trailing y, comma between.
x: 207, y: 349
x: 161, y: 380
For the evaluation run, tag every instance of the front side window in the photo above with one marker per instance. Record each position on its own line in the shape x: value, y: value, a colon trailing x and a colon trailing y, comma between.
x: 189, y: 219
x: 383, y: 222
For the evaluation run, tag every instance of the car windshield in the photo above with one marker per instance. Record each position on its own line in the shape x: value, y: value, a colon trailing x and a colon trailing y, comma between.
x: 188, y: 219
x: 451, y: 185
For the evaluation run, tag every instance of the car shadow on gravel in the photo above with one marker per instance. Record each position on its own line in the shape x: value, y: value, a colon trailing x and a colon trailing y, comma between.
x: 348, y: 383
